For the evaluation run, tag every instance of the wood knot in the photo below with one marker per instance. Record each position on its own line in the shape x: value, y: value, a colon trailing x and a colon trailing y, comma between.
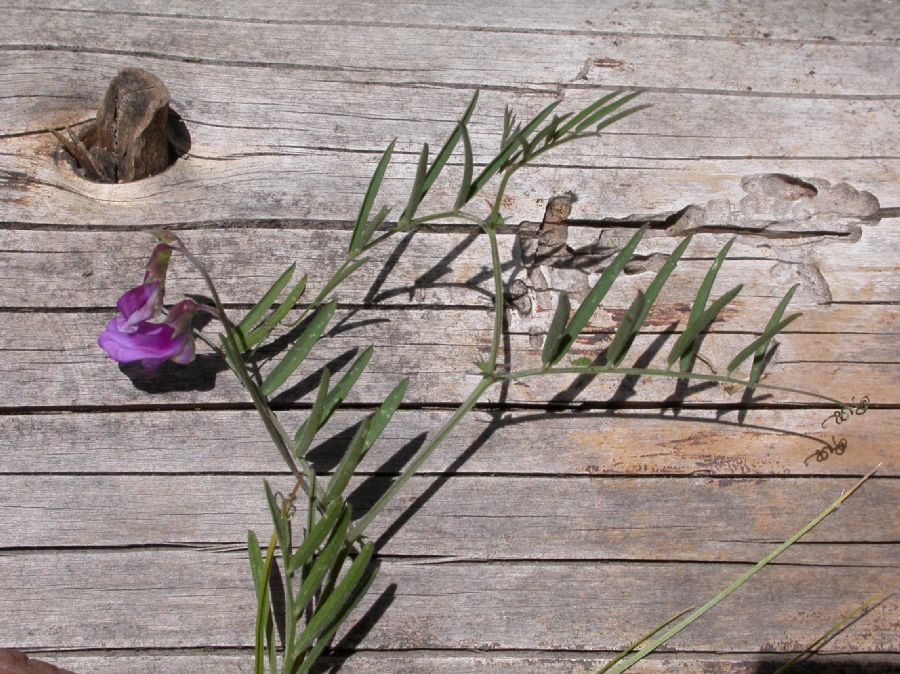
x: 135, y: 135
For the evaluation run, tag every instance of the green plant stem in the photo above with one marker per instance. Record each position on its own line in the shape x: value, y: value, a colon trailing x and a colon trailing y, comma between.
x: 670, y: 374
x: 656, y: 642
x: 262, y: 611
x: 498, y: 299
x: 422, y: 456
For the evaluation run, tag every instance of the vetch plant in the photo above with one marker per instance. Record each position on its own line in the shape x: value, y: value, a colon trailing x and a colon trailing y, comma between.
x: 319, y: 550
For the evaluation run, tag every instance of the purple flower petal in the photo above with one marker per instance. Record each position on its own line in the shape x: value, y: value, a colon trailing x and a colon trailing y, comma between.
x: 147, y: 341
x: 140, y: 304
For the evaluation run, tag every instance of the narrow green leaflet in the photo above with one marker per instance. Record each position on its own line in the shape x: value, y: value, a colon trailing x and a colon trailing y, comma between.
x: 627, y: 330
x: 601, y: 112
x: 595, y: 296
x: 509, y: 148
x: 762, y: 340
x: 341, y: 617
x: 703, y: 297
x: 255, y: 314
x: 555, y: 332
x: 324, y: 563
x: 354, y: 453
x: 468, y: 163
x: 336, y: 396
x: 589, y: 110
x: 622, y: 115
x: 259, y: 334
x: 334, y: 606
x: 299, y: 349
x: 551, y: 131
x: 639, y: 310
x: 356, y: 241
x: 317, y: 534
x: 384, y: 413
x: 418, y: 189
x: 282, y: 525
x: 759, y: 356
x: 702, y: 322
x: 376, y: 222
x: 337, y: 279
x: 313, y: 423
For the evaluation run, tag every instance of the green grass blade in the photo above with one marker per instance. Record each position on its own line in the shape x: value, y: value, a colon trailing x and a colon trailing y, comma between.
x: 760, y: 355
x: 336, y: 396
x: 356, y: 241
x: 259, y: 334
x: 418, y: 189
x: 658, y: 641
x: 617, y: 351
x: 834, y: 630
x: 600, y: 113
x: 703, y: 297
x: 555, y: 331
x: 589, y: 110
x: 638, y: 643
x: 355, y: 452
x: 468, y: 163
x: 255, y: 314
x: 693, y: 329
x: 299, y: 350
x: 313, y: 423
x: 334, y: 606
x: 595, y: 296
x: 385, y: 411
x: 317, y: 534
x: 509, y: 148
x: 323, y: 564
x: 762, y: 340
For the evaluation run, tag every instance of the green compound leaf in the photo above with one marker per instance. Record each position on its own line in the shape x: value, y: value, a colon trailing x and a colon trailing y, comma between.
x: 702, y: 322
x: 639, y: 310
x: 299, y: 349
x: 702, y: 298
x: 595, y: 296
x: 555, y: 332
x: 357, y: 241
x: 255, y: 314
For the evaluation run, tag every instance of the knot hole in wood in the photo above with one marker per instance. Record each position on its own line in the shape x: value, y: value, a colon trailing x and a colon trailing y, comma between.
x: 135, y: 135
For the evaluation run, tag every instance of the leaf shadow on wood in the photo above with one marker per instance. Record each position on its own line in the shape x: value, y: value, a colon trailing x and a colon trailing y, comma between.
x: 749, y: 397
x: 832, y: 665
x: 341, y: 651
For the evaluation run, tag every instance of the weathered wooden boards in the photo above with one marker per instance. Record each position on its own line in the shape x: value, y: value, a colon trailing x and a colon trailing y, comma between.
x: 541, y: 537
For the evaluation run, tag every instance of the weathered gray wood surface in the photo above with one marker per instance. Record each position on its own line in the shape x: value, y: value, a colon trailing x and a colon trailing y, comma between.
x: 539, y: 538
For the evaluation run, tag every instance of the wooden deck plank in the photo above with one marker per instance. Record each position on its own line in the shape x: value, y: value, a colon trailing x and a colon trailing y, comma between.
x: 476, y: 518
x: 52, y: 359
x: 452, y: 662
x: 74, y: 601
x: 519, y: 442
x: 766, y: 20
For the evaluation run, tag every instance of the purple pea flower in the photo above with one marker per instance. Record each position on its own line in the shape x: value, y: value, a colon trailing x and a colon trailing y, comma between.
x: 131, y: 337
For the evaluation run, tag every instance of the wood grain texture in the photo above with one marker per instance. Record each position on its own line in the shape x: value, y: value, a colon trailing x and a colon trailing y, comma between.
x: 435, y: 605
x: 513, y: 441
x: 540, y: 537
